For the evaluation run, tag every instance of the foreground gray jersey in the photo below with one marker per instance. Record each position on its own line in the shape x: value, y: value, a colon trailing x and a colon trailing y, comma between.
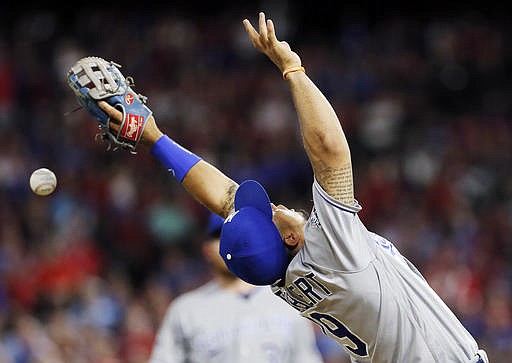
x: 363, y: 293
x: 214, y: 325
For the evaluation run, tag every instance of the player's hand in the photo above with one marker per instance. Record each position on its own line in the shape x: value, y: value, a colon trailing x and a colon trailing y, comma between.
x: 266, y: 42
x: 151, y: 132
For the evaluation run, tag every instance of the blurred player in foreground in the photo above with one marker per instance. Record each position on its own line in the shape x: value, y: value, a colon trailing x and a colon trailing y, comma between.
x: 228, y: 320
x: 353, y: 283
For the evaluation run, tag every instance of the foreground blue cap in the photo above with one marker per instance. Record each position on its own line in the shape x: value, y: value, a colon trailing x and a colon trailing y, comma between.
x: 250, y: 243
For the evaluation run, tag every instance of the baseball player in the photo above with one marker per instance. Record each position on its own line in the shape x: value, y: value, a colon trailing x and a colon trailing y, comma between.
x: 228, y: 320
x: 353, y: 283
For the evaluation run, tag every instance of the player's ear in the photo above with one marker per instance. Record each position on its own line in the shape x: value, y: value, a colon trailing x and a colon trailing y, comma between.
x: 209, y: 250
x: 291, y: 239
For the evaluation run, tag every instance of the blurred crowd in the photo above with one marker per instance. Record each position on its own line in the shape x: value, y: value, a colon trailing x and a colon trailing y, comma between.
x: 87, y: 272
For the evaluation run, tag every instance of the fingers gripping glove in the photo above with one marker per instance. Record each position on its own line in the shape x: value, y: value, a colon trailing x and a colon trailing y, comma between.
x: 93, y: 79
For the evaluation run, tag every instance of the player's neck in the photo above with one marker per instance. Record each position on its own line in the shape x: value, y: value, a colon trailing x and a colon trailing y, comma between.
x: 234, y: 284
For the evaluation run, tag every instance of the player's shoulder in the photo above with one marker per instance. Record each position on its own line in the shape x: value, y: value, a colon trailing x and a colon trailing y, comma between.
x: 324, y: 202
x: 270, y: 299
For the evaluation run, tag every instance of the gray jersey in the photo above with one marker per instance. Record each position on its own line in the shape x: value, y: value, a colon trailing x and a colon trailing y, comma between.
x: 363, y: 293
x: 214, y: 325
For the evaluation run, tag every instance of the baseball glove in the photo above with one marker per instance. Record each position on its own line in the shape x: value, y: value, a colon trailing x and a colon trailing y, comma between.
x: 93, y: 79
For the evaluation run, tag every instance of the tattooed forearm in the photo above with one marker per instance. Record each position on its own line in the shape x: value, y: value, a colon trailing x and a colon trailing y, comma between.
x: 228, y: 202
x: 337, y: 182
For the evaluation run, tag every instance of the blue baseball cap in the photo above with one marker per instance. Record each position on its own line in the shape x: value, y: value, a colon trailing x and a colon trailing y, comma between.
x: 250, y: 243
x: 214, y: 227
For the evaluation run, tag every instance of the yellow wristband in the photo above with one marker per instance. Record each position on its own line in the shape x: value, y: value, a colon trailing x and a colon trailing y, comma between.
x: 293, y: 69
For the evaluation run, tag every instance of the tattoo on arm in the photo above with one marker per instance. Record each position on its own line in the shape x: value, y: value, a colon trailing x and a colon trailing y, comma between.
x: 337, y: 182
x: 228, y: 203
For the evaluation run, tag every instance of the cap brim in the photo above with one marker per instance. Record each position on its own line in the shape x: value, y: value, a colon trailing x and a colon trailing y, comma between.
x: 252, y: 194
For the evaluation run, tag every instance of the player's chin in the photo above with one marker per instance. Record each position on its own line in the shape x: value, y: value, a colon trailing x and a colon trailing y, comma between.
x: 292, y: 250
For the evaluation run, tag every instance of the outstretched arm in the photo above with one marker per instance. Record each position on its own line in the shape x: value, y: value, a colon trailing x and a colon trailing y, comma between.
x: 323, y: 137
x: 207, y: 184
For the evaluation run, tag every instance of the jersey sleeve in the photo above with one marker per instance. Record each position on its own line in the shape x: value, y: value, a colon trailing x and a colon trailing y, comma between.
x: 169, y: 345
x: 337, y: 234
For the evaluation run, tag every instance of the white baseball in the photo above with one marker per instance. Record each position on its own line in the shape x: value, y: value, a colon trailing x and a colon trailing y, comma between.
x: 43, y: 181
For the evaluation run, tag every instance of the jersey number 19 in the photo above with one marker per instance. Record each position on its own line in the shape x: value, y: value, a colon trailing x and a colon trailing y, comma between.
x: 334, y: 328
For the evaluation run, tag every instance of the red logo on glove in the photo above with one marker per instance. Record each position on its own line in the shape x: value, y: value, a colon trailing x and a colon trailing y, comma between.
x: 132, y: 127
x: 128, y: 98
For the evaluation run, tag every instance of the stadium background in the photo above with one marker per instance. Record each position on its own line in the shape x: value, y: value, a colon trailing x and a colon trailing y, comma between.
x: 424, y: 95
